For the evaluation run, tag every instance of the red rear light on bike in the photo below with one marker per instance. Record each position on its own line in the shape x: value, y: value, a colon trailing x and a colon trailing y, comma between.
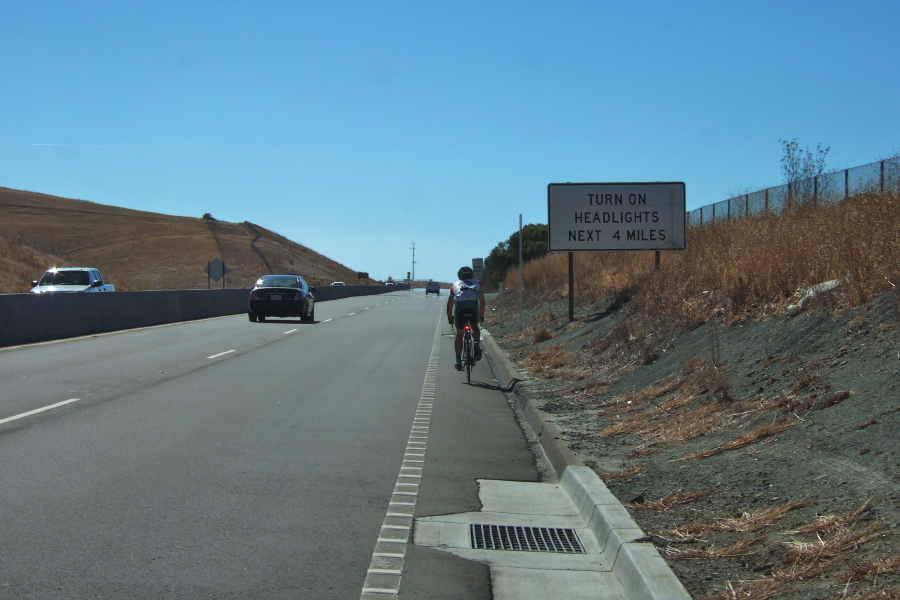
x: 468, y: 328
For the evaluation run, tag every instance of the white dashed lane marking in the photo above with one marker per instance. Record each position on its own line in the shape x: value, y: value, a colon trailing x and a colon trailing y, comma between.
x: 383, y: 575
x: 38, y: 410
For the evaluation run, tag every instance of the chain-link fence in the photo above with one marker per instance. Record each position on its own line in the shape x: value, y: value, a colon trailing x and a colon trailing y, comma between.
x: 824, y: 189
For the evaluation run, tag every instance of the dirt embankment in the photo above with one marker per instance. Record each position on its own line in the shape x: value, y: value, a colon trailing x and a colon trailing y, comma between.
x: 762, y: 458
x: 138, y: 250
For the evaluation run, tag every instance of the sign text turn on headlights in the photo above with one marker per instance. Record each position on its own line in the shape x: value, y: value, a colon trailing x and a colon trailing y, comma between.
x: 616, y: 216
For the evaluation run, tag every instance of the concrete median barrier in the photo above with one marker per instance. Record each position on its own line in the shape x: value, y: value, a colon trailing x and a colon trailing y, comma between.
x: 32, y: 318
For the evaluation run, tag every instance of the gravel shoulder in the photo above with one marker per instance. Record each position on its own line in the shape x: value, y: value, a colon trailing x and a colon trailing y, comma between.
x: 762, y: 457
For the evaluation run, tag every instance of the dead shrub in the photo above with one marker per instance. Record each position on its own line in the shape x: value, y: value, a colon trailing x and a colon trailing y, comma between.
x: 542, y: 335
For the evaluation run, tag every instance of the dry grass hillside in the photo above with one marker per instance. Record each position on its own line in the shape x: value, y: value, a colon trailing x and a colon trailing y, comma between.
x: 138, y: 250
x: 746, y: 415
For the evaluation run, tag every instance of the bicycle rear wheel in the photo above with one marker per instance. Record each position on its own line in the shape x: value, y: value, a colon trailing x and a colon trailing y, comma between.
x: 467, y: 357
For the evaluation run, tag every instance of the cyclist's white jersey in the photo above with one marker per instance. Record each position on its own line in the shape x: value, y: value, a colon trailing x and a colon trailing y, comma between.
x: 466, y: 290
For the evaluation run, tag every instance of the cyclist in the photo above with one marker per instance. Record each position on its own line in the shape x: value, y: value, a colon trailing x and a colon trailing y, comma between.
x: 466, y: 296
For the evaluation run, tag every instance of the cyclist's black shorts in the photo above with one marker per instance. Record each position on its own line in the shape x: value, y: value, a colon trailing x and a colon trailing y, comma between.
x: 462, y: 312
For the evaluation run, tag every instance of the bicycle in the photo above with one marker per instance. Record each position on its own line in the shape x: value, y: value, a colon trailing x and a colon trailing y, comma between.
x: 468, y: 355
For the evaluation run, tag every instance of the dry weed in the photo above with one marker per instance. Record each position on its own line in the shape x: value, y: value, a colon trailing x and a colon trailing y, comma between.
x: 749, y: 521
x: 691, y: 424
x: 744, y: 440
x: 839, y: 543
x: 770, y: 587
x: 638, y: 399
x: 738, y: 548
x: 544, y: 363
x: 620, y: 475
x: 890, y: 594
x: 871, y: 568
x: 831, y: 522
x: 643, y: 451
x: 834, y: 398
x: 670, y: 500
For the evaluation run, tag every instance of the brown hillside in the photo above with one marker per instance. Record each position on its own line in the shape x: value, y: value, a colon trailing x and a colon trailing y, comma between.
x: 137, y: 250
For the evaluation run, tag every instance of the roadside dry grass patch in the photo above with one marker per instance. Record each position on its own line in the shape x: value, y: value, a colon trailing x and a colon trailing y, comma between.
x: 545, y: 364
x: 676, y: 408
x: 745, y: 267
x: 804, y: 559
x: 20, y: 264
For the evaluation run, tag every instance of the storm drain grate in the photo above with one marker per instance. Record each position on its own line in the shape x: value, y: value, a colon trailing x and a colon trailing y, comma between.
x: 525, y: 539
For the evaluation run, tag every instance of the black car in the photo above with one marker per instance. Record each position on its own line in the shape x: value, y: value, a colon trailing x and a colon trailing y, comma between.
x: 282, y: 296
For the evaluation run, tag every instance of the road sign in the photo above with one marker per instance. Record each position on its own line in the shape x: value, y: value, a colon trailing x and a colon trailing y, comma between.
x: 478, y: 268
x: 616, y: 216
x: 216, y: 270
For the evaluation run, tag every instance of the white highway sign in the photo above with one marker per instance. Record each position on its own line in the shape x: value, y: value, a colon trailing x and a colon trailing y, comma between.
x: 616, y: 216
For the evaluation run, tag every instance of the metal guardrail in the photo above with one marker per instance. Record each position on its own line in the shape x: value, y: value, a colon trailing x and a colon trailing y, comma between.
x: 827, y: 188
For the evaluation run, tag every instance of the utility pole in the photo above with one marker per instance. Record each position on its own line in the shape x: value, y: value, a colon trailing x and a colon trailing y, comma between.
x: 521, y: 279
x: 413, y: 277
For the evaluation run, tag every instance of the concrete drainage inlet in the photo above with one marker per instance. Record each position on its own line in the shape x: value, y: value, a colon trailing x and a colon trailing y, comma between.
x: 525, y: 539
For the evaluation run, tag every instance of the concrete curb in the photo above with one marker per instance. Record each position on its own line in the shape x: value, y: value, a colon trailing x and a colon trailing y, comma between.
x: 639, y: 567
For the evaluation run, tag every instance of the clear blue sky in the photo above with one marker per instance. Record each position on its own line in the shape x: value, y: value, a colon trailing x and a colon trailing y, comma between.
x: 358, y: 128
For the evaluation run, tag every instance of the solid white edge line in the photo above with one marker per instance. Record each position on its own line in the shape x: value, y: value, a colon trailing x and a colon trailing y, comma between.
x: 221, y: 354
x: 38, y: 410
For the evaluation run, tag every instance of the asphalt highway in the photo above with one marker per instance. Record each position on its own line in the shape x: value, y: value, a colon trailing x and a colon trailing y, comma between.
x: 230, y: 459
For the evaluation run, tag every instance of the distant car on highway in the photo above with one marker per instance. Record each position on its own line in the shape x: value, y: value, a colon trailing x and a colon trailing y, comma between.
x: 433, y: 287
x: 282, y: 296
x: 71, y: 279
x: 337, y: 283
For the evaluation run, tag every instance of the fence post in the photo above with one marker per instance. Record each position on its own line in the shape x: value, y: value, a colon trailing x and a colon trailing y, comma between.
x: 882, y: 177
x: 846, y: 183
x: 815, y: 191
x: 766, y: 207
x: 746, y: 205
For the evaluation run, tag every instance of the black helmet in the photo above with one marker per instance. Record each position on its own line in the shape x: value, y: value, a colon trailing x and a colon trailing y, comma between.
x: 465, y: 273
